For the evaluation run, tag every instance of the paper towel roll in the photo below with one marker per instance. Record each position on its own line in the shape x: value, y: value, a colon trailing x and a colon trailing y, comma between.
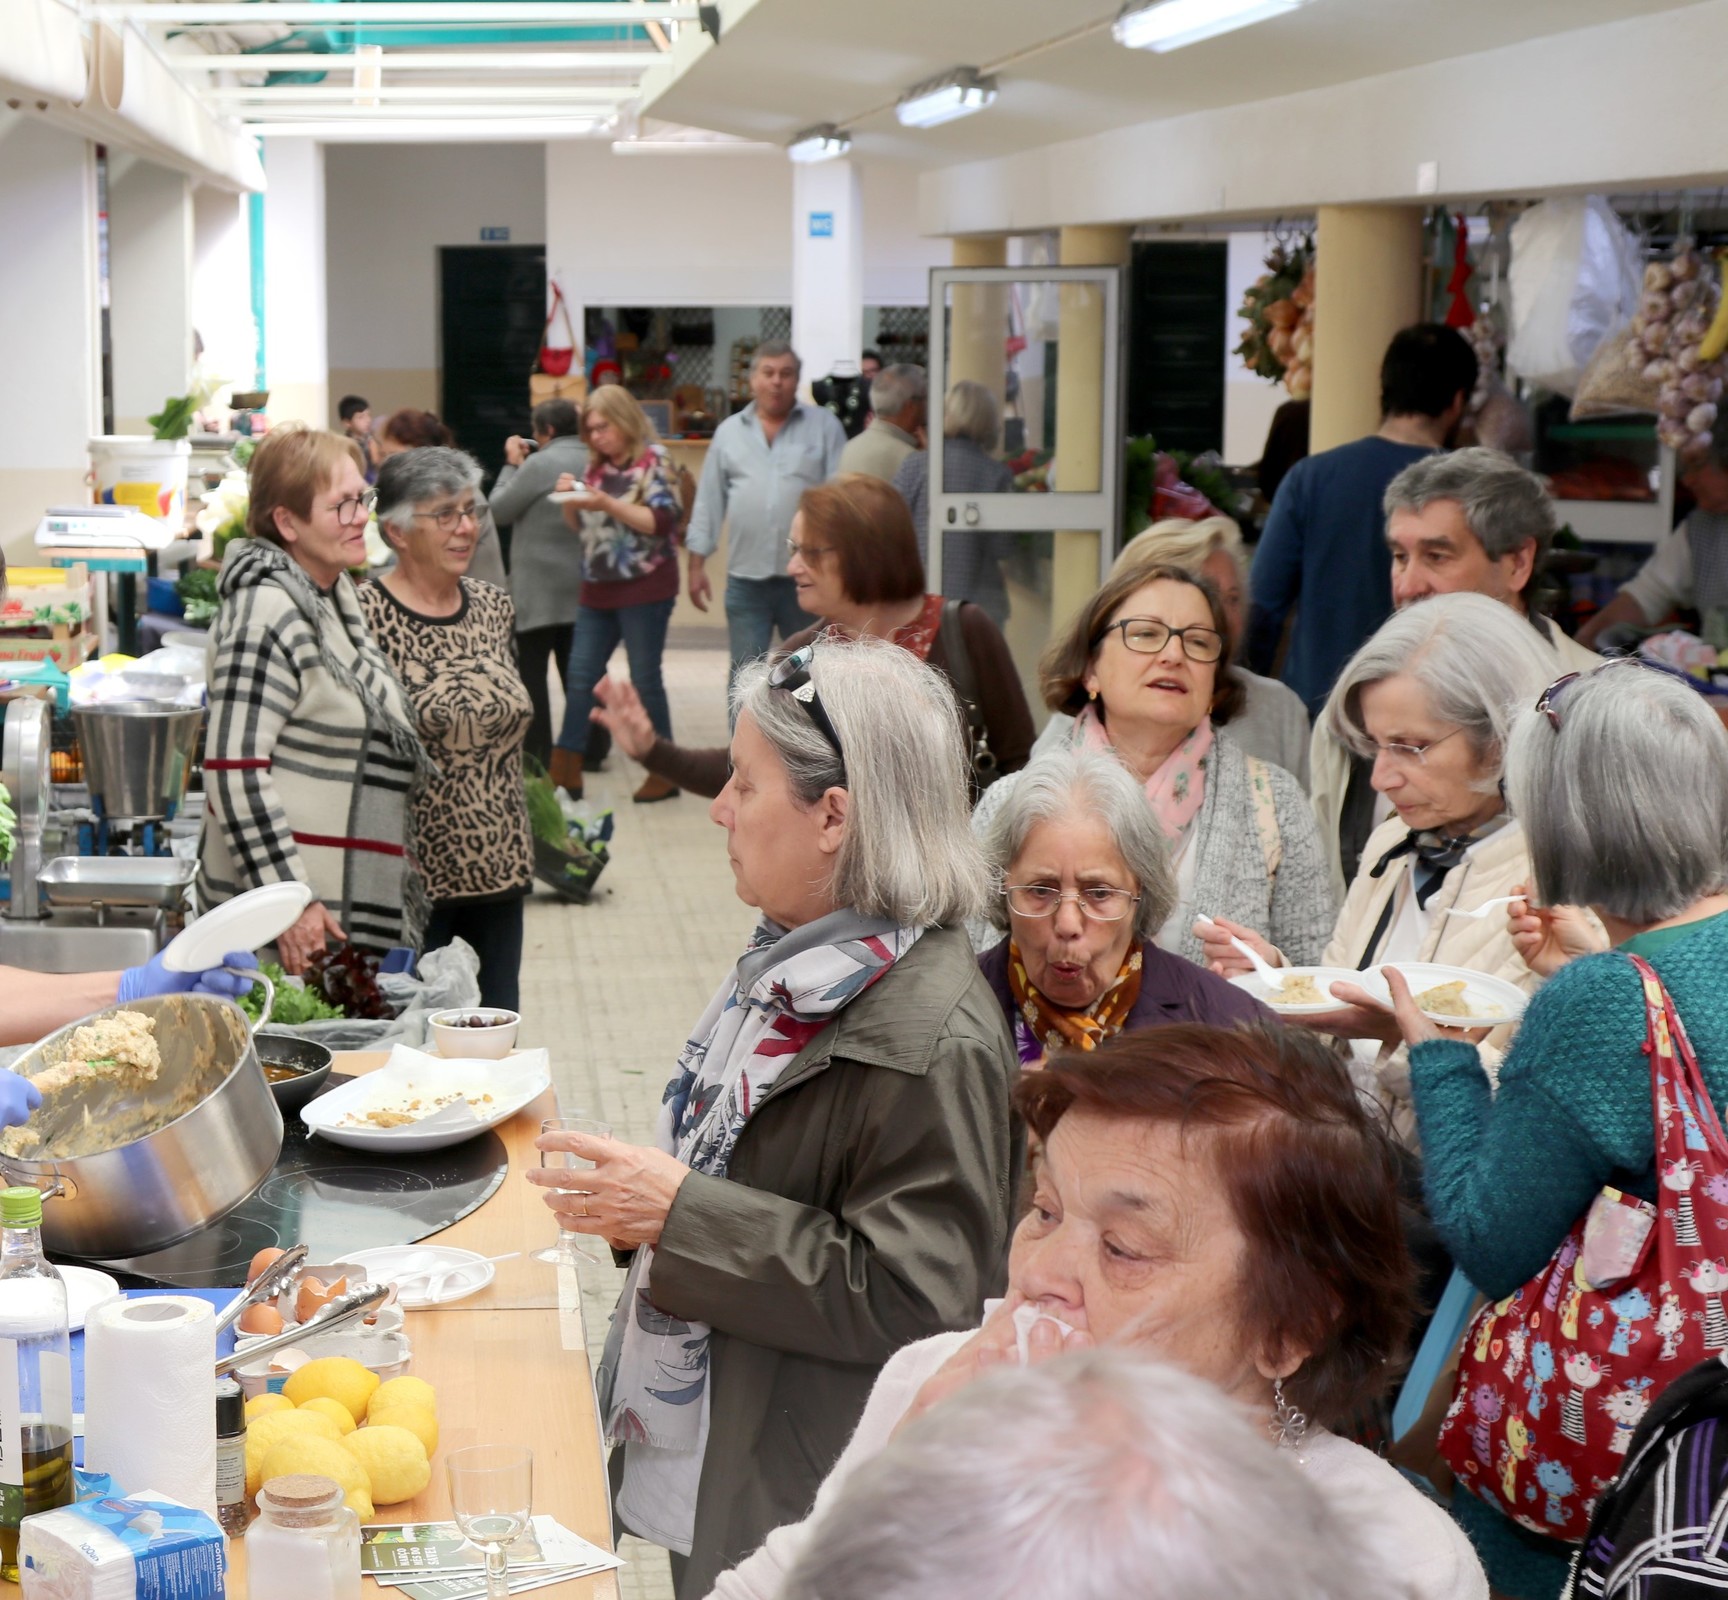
x: 150, y: 1396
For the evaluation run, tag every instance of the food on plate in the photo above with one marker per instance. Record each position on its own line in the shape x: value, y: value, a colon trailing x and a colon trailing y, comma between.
x: 412, y: 1106
x: 339, y: 1378
x: 117, y: 1048
x: 1451, y: 1000
x: 393, y: 1459
x: 1302, y: 990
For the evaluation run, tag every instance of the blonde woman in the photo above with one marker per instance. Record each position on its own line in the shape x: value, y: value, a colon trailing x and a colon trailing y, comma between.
x: 627, y: 520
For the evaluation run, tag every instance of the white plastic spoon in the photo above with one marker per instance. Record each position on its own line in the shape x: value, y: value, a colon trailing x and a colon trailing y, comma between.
x: 1273, y: 976
x: 1486, y: 906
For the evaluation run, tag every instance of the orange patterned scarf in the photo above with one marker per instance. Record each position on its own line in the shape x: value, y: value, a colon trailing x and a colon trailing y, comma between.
x: 1042, y: 1026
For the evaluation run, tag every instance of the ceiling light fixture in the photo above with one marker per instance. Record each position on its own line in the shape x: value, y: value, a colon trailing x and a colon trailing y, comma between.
x: 955, y: 94
x: 1170, y: 24
x: 824, y: 142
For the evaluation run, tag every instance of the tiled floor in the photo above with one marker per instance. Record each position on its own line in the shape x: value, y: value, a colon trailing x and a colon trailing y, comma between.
x: 612, y: 988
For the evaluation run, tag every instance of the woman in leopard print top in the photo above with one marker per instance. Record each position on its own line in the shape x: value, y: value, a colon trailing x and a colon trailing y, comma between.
x: 451, y: 640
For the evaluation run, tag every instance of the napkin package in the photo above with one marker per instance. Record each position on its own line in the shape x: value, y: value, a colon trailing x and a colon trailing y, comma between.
x: 142, y: 1547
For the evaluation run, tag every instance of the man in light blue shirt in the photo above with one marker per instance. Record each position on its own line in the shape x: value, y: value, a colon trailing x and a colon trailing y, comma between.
x: 759, y: 464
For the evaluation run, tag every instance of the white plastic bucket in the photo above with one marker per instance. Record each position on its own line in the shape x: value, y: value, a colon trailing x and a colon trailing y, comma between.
x: 149, y: 474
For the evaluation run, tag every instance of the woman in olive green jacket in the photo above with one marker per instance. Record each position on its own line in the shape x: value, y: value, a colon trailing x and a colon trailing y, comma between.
x: 833, y: 1171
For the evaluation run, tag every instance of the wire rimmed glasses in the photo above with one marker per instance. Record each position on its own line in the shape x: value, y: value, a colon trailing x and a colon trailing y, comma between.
x: 1097, y: 902
x: 571, y: 1245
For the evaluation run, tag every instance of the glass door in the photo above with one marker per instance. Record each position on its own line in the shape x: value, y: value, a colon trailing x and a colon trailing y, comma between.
x: 1026, y: 380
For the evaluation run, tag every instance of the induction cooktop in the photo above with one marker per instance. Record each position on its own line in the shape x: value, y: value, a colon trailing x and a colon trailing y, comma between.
x: 333, y: 1199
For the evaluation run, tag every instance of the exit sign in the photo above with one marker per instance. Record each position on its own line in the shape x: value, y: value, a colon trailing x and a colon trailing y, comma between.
x: 494, y: 236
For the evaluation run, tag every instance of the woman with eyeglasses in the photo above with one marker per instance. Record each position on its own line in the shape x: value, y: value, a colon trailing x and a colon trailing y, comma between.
x: 1430, y: 701
x: 835, y: 1161
x: 413, y: 429
x: 451, y: 639
x: 310, y: 749
x: 1085, y: 885
x: 1144, y: 669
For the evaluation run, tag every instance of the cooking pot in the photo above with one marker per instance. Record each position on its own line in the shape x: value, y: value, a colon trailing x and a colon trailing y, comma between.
x: 154, y: 1190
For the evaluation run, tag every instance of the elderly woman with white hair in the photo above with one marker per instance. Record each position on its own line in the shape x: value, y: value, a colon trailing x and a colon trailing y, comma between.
x: 971, y: 435
x: 834, y: 1165
x: 1430, y: 701
x: 1086, y: 885
x: 451, y: 639
x: 1621, y: 778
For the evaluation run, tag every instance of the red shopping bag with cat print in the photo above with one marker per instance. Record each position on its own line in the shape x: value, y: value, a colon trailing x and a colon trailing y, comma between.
x: 1554, y: 1378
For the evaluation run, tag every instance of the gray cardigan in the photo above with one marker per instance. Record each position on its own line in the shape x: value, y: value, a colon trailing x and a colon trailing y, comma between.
x: 545, y: 553
x: 1294, y: 908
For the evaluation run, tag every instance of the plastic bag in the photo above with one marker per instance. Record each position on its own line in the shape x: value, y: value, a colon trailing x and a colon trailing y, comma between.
x: 447, y: 978
x: 1614, y: 382
x: 1576, y: 277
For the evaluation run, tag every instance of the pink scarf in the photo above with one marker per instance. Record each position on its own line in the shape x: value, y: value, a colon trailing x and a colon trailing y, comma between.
x: 1177, y: 789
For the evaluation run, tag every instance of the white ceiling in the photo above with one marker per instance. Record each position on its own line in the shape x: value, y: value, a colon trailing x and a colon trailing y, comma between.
x: 783, y: 65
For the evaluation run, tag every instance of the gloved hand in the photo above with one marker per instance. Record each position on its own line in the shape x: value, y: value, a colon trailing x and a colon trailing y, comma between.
x: 154, y: 978
x: 18, y: 1098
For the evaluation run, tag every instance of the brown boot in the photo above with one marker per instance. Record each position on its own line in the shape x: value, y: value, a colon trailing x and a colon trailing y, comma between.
x: 566, y: 771
x: 655, y: 789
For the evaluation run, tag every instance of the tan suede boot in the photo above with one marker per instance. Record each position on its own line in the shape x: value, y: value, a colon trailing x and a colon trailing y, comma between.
x: 566, y: 771
x: 655, y: 789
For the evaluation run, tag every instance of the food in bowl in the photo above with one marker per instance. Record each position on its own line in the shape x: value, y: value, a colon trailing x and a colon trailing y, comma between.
x: 1452, y: 1000
x: 482, y: 1032
x: 1302, y: 990
x: 118, y: 1048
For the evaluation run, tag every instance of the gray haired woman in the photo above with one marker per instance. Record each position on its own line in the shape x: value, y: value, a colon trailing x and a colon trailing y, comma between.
x: 1085, y: 887
x: 971, y: 434
x: 1430, y: 701
x: 834, y: 1165
x: 451, y: 639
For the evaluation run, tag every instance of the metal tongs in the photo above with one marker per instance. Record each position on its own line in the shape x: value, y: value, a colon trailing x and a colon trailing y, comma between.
x: 337, y: 1314
x: 271, y: 1281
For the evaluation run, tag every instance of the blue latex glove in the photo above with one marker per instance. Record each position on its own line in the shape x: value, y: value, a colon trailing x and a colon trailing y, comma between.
x: 18, y: 1098
x: 154, y: 978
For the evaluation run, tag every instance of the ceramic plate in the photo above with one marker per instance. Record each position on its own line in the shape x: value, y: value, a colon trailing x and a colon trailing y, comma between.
x: 496, y: 1090
x: 1252, y: 983
x: 86, y: 1288
x: 247, y: 922
x: 1492, y: 1001
x: 426, y: 1274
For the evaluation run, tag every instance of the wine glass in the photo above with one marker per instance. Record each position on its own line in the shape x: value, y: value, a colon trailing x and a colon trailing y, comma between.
x: 571, y: 1245
x: 492, y: 1499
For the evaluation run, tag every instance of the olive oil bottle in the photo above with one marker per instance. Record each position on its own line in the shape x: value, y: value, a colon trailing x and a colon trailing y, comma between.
x: 35, y: 1375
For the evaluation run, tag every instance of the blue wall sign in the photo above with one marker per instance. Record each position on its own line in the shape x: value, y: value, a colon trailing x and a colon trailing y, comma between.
x: 821, y: 224
x: 494, y: 236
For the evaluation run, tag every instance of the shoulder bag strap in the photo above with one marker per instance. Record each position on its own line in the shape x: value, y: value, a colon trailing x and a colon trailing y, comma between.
x: 958, y: 657
x: 1669, y: 1047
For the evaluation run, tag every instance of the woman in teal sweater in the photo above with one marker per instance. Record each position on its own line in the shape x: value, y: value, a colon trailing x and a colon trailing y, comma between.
x: 1621, y: 779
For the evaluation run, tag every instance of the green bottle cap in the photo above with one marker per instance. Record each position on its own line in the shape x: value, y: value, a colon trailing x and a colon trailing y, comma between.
x: 21, y: 1207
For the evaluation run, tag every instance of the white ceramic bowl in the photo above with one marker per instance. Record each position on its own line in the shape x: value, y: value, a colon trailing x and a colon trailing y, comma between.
x: 490, y: 1043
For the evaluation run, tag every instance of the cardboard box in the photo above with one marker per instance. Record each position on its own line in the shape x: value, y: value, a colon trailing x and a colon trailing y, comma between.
x: 40, y: 597
x: 572, y: 387
x: 66, y: 647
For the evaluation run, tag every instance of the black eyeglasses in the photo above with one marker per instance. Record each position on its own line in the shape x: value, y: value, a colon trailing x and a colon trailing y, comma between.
x: 1146, y: 636
x: 792, y: 673
x: 354, y: 510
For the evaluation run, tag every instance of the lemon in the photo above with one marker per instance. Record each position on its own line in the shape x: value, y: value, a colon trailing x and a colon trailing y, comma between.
x: 394, y: 1459
x: 268, y: 1430
x: 303, y: 1452
x: 261, y: 1405
x: 339, y: 1378
x: 416, y: 1391
x: 419, y: 1420
x: 333, y: 1409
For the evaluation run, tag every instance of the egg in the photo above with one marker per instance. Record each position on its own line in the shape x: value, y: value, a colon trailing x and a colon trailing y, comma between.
x: 314, y: 1295
x: 261, y: 1319
x: 261, y: 1261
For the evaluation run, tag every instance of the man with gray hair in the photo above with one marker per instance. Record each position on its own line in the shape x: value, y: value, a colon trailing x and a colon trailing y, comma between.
x: 897, y: 398
x: 760, y: 461
x: 1093, y: 1476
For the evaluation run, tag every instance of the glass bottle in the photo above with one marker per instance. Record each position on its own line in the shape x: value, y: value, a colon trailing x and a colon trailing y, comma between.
x: 35, y: 1375
x: 232, y: 1509
x: 304, y: 1544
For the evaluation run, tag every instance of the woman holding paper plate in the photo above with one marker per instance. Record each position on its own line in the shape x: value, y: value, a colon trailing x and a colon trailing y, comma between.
x: 1430, y: 699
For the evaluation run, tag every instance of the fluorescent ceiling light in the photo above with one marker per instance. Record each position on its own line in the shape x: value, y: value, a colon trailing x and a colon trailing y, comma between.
x: 1170, y: 24
x: 589, y: 60
x: 423, y: 13
x: 430, y: 131
x: 497, y: 95
x: 956, y: 94
x: 691, y: 147
x: 821, y: 143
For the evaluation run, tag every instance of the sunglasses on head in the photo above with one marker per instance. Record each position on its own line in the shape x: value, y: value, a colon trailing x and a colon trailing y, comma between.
x: 1548, y: 702
x: 792, y: 674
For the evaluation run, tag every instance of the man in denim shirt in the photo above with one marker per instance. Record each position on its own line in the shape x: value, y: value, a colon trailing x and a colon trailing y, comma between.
x: 759, y: 464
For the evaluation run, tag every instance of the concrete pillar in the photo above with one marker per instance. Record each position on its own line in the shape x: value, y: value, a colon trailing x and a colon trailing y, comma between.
x: 222, y: 288
x: 150, y: 287
x: 295, y: 360
x: 49, y: 324
x: 1080, y: 408
x: 827, y: 265
x: 1369, y: 285
x: 978, y: 330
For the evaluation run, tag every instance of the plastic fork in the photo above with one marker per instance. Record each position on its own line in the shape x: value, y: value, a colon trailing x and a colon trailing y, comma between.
x: 1487, y: 906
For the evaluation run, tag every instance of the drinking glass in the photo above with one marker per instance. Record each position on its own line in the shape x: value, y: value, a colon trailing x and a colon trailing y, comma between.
x: 571, y: 1245
x: 492, y: 1498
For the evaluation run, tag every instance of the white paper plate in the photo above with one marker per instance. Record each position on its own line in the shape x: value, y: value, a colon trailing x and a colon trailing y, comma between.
x: 247, y: 922
x: 466, y: 1272
x: 512, y: 1083
x: 86, y: 1288
x: 1492, y: 1001
x: 560, y: 497
x: 1253, y: 984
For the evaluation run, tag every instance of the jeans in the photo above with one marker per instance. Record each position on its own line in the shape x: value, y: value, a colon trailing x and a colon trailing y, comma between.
x: 755, y: 609
x: 643, y: 630
x: 494, y: 929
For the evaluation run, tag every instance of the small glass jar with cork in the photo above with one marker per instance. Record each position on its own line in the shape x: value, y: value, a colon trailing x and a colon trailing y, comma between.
x: 305, y: 1543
